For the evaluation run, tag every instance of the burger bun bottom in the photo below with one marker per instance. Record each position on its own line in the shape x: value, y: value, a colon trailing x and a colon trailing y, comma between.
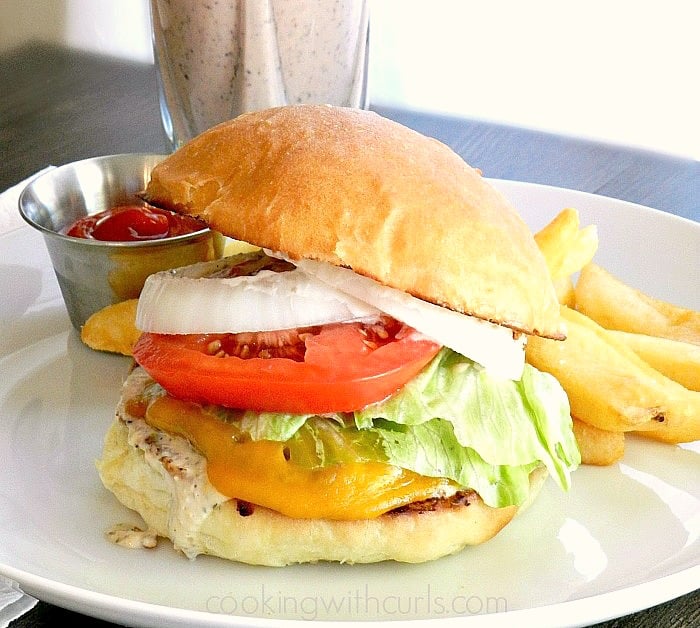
x: 261, y: 536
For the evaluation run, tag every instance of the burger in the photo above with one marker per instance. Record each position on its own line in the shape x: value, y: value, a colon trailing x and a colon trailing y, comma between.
x: 354, y: 388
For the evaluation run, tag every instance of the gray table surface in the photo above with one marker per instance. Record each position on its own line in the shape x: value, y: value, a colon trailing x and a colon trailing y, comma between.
x: 59, y: 105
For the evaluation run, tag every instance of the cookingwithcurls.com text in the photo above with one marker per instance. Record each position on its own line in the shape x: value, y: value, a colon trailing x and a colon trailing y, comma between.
x: 360, y: 603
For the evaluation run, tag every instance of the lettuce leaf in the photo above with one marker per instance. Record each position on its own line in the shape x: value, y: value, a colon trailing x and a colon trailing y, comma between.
x: 506, y: 422
x: 431, y: 449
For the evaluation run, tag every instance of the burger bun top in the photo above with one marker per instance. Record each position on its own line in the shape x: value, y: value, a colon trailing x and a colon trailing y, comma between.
x: 351, y: 188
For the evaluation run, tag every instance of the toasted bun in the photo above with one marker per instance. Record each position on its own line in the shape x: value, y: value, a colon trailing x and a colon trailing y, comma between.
x: 353, y: 189
x: 257, y: 535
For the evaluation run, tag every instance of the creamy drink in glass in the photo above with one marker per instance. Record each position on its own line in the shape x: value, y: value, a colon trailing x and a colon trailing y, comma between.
x: 220, y: 58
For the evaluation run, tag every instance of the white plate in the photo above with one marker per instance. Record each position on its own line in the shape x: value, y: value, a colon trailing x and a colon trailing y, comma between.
x: 625, y: 537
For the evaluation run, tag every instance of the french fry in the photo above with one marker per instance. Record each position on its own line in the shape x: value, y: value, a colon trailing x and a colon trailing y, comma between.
x: 679, y: 361
x: 598, y: 447
x: 564, y: 288
x: 615, y: 305
x: 113, y: 328
x: 566, y: 247
x: 613, y: 389
x: 234, y: 247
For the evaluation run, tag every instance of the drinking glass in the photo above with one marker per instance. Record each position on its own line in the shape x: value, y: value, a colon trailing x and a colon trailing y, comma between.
x: 216, y: 60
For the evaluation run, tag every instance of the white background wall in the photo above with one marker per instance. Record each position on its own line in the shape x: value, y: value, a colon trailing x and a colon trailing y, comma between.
x: 626, y: 71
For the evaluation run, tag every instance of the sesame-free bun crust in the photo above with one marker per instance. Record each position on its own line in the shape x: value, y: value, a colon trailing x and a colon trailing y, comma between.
x: 265, y: 537
x: 354, y: 189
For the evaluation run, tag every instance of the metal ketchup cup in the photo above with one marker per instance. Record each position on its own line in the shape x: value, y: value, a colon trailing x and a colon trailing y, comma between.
x: 93, y: 274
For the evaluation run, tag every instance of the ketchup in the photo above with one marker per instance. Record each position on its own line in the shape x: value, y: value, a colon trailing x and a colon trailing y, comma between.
x: 133, y: 223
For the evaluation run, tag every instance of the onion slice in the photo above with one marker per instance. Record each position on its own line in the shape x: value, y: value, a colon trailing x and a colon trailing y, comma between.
x: 186, y: 301
x: 492, y: 346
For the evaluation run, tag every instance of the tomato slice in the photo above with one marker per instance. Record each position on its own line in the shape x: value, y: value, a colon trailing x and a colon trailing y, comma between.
x: 331, y: 368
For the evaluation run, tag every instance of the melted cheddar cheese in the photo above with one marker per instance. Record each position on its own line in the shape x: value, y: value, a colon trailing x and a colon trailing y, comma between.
x: 258, y: 471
